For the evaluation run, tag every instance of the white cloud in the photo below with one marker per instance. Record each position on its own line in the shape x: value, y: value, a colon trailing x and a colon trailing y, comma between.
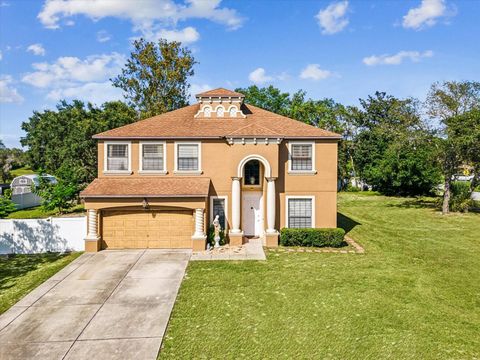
x: 186, y: 36
x: 1, y: 55
x: 259, y: 76
x: 37, y: 49
x: 425, y: 15
x: 94, y: 92
x: 73, y: 78
x: 397, y: 58
x: 314, y: 72
x: 197, y: 89
x: 70, y: 70
x: 103, y: 36
x: 8, y: 94
x: 332, y: 19
x: 147, y: 16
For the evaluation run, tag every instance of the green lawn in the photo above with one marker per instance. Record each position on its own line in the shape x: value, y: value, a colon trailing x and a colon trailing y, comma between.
x: 39, y: 213
x: 415, y: 294
x: 22, y: 171
x: 21, y: 274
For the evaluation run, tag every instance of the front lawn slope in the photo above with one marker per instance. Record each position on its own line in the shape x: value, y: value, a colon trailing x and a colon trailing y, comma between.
x: 414, y: 294
x: 20, y: 274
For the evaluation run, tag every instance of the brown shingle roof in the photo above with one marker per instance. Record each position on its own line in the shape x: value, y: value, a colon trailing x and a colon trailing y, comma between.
x: 182, y: 124
x: 147, y: 187
x: 220, y: 92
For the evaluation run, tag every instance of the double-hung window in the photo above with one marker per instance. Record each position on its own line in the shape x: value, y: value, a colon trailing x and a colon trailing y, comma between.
x: 301, y: 157
x: 153, y: 157
x: 117, y: 157
x: 188, y: 157
x: 300, y: 212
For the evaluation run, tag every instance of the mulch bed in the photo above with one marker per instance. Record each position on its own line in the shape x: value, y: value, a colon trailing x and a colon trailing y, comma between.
x: 353, y: 248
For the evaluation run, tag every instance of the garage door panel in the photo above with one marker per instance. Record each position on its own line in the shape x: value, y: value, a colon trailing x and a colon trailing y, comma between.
x: 147, y: 229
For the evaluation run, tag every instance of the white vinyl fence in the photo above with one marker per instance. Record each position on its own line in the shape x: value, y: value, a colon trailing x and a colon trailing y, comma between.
x: 31, y: 236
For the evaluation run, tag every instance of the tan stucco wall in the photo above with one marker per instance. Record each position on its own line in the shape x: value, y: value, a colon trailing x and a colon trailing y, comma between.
x: 220, y: 162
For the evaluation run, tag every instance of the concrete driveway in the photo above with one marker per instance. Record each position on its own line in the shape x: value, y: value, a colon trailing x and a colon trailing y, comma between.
x: 108, y: 305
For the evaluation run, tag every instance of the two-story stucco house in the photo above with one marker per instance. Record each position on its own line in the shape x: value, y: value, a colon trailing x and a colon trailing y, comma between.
x: 162, y: 180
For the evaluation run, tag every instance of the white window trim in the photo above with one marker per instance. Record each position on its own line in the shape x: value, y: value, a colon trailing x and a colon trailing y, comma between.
x: 105, y: 162
x: 188, y: 172
x: 301, y: 172
x: 287, y: 198
x: 226, y: 209
x: 207, y: 107
x: 140, y: 155
x: 216, y: 111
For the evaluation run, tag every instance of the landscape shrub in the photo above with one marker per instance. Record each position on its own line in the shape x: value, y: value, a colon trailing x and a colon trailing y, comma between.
x: 312, y: 237
x: 460, y: 198
x: 6, y: 206
x: 351, y: 188
x: 211, y: 236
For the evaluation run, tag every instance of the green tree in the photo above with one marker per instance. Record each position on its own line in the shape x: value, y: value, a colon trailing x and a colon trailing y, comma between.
x: 60, y: 141
x: 450, y: 103
x: 60, y: 195
x: 155, y: 77
x: 5, y: 163
x: 465, y: 129
x: 394, y: 150
x: 269, y: 98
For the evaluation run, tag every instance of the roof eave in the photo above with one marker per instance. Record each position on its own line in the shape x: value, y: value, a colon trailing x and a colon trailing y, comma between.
x: 314, y: 137
x: 106, y: 137
x: 83, y: 196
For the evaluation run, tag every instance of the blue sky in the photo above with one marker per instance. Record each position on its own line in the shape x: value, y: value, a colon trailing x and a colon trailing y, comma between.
x: 345, y: 50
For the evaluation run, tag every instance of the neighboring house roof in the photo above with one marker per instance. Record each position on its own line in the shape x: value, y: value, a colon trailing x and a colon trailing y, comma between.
x: 220, y: 92
x: 147, y: 187
x: 182, y: 124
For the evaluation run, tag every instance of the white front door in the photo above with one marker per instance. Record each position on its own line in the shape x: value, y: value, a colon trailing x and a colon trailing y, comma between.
x: 252, y: 213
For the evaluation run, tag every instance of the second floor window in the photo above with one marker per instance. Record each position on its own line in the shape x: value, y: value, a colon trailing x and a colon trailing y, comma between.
x: 117, y: 157
x: 152, y: 157
x: 301, y: 157
x: 187, y: 157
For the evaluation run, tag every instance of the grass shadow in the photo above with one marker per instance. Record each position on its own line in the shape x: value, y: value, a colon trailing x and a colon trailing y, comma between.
x: 346, y: 223
x: 417, y: 203
x: 16, y: 266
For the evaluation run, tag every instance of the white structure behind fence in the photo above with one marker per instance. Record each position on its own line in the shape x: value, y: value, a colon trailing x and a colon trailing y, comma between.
x: 31, y: 236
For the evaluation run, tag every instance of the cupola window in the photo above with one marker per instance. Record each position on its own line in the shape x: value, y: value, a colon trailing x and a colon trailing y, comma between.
x: 220, y: 111
x: 207, y: 111
x: 233, y: 111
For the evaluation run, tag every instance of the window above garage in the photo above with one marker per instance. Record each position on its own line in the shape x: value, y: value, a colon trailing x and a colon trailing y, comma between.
x: 117, y: 158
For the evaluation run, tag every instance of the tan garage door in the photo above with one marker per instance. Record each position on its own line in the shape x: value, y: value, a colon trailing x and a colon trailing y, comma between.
x: 147, y: 229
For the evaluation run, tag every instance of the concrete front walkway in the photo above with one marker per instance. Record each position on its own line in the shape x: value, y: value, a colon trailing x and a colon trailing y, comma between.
x: 251, y: 250
x: 108, y: 305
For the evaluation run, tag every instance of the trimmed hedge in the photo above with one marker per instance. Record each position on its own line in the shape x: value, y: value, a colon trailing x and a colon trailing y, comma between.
x: 312, y: 237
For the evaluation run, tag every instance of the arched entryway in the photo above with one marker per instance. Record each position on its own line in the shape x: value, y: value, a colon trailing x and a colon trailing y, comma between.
x: 253, y: 182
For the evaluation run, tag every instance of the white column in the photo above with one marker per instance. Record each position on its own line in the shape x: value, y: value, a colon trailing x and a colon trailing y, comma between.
x: 236, y: 204
x: 92, y: 232
x: 199, y: 228
x: 271, y: 205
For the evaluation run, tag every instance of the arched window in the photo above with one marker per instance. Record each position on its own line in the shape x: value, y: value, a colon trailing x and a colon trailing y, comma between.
x: 233, y: 111
x: 252, y: 173
x: 207, y: 111
x: 220, y: 111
